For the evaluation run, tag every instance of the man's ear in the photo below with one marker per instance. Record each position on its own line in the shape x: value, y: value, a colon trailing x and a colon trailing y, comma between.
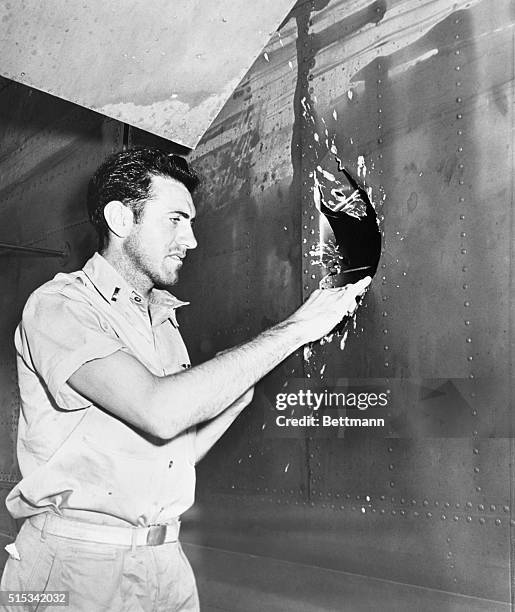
x: 119, y: 218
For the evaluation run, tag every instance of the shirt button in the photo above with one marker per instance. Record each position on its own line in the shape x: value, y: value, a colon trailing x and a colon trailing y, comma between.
x: 170, y: 464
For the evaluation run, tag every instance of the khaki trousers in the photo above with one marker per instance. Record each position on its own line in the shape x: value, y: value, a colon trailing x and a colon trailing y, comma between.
x: 101, y: 577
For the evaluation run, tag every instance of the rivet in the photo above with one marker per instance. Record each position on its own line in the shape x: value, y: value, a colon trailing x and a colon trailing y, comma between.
x: 443, y: 517
x: 482, y: 521
x: 476, y: 451
x: 492, y: 507
x: 456, y: 518
x: 429, y: 514
x: 458, y: 68
x: 466, y: 304
x: 469, y: 519
x: 481, y: 507
x: 498, y: 522
x: 463, y: 251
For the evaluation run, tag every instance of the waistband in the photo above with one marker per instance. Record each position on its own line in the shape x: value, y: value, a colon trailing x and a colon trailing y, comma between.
x: 154, y: 535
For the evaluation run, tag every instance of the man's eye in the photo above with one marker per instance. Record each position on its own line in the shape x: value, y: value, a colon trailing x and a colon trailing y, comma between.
x: 175, y: 219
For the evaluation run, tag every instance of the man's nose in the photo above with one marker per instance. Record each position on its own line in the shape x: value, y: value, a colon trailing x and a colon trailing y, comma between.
x: 188, y: 239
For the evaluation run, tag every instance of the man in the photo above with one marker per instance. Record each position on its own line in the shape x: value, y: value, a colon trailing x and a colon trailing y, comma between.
x: 112, y: 418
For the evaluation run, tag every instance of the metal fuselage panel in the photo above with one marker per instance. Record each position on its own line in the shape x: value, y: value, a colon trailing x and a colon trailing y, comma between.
x: 419, y: 101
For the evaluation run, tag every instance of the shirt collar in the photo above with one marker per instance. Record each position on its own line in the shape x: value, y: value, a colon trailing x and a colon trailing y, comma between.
x: 115, y: 289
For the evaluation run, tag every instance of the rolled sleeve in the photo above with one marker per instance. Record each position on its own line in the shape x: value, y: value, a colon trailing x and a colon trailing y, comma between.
x: 56, y: 336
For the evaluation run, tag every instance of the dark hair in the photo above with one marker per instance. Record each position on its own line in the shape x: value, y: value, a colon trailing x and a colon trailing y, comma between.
x: 126, y: 176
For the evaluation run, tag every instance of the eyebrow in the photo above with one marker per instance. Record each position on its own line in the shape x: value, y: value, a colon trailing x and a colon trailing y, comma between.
x: 181, y: 213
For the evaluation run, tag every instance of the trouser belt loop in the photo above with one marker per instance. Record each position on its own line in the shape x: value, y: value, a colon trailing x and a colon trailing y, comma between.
x: 43, y: 528
x: 133, y: 541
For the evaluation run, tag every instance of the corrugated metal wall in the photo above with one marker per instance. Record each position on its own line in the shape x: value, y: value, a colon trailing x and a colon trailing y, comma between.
x: 418, y: 515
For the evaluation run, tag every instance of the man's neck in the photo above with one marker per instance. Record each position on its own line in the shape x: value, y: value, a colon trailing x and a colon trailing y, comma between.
x: 136, y: 279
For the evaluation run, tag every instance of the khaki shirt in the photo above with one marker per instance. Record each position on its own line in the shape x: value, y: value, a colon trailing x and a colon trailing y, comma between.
x: 75, y: 458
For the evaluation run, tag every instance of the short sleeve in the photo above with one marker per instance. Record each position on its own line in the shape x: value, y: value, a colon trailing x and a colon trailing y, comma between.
x: 56, y: 336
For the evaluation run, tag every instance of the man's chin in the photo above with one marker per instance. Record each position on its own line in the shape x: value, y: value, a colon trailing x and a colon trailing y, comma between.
x: 167, y: 280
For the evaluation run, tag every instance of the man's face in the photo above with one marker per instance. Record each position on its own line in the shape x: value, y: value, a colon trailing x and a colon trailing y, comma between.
x: 159, y: 240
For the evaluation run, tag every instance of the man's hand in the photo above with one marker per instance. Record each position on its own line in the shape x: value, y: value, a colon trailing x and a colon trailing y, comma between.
x: 325, y: 308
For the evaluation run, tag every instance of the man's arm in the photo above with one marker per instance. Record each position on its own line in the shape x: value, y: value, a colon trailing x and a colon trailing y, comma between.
x: 210, y: 432
x: 165, y: 406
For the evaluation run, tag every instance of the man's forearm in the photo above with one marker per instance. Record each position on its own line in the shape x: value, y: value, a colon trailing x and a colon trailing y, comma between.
x: 204, y: 391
